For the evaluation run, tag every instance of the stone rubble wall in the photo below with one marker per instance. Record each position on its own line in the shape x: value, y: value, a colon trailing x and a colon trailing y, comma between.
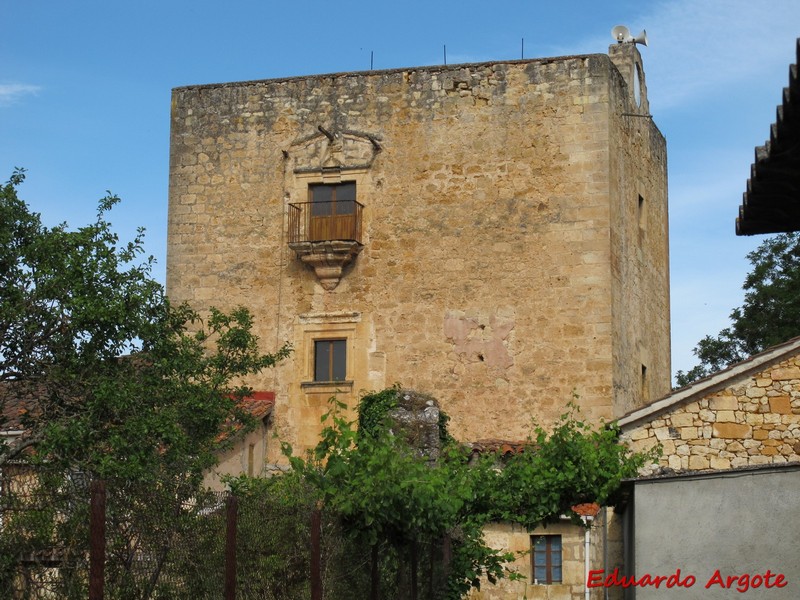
x: 754, y: 421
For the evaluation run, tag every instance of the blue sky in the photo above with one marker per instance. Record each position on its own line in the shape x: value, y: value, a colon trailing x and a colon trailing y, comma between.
x: 85, y: 97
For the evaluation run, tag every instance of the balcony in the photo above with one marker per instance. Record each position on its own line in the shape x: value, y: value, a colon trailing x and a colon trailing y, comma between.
x: 326, y: 235
x: 325, y: 221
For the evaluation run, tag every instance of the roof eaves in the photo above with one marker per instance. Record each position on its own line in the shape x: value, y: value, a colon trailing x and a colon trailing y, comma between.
x: 712, y: 383
x: 669, y: 474
x: 771, y: 201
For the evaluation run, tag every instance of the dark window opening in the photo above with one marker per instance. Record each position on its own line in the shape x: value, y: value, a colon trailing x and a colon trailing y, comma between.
x: 330, y: 360
x: 546, y: 558
x: 645, y: 388
x: 332, y: 199
x: 642, y: 215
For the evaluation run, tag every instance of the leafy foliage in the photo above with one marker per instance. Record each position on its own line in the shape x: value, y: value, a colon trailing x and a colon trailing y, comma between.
x: 274, y: 550
x: 573, y: 464
x: 389, y: 496
x: 769, y: 315
x: 373, y: 410
x: 118, y: 383
x: 72, y: 302
x: 160, y: 414
x: 68, y: 299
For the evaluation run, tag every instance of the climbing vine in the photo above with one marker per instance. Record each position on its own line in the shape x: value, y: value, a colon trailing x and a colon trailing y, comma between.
x: 389, y: 496
x: 374, y: 408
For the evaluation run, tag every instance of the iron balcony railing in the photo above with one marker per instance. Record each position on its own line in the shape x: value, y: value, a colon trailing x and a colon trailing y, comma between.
x: 325, y: 221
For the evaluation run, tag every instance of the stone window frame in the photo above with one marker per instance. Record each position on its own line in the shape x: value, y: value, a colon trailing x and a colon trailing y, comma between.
x: 324, y: 332
x: 553, y: 559
x: 303, y: 180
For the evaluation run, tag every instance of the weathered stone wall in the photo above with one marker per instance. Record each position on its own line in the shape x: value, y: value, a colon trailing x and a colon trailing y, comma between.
x: 639, y: 242
x: 247, y: 456
x: 503, y: 263
x: 753, y: 421
x: 513, y: 538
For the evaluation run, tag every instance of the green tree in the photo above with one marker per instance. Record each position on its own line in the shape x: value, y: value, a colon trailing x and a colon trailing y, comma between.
x: 573, y: 463
x: 769, y: 315
x: 124, y: 383
x: 389, y: 497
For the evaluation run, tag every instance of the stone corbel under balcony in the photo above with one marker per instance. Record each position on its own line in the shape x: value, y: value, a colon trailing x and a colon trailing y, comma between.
x: 327, y: 258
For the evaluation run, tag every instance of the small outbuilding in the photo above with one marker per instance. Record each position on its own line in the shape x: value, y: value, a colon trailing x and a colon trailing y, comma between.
x: 718, y: 512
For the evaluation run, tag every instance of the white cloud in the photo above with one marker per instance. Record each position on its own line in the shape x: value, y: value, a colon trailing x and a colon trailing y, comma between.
x: 11, y: 92
x: 697, y: 47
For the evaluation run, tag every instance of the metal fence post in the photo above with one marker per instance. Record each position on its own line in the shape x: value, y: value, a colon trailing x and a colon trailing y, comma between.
x: 414, y: 565
x: 375, y: 576
x: 231, y: 513
x: 316, y: 553
x: 447, y: 556
x: 97, y: 538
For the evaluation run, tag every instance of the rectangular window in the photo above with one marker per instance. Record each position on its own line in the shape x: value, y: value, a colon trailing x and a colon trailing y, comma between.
x: 546, y: 558
x: 642, y: 216
x: 332, y: 199
x: 645, y: 388
x: 333, y: 214
x: 330, y: 360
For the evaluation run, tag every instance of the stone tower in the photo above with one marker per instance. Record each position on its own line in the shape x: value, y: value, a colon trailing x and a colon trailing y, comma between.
x: 493, y: 234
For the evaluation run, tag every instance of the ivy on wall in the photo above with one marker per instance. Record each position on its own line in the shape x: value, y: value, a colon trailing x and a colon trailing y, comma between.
x: 388, y: 495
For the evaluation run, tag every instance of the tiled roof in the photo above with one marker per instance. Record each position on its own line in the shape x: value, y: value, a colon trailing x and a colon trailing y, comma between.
x: 588, y: 509
x: 18, y: 401
x: 771, y: 203
x: 494, y: 446
x: 258, y: 405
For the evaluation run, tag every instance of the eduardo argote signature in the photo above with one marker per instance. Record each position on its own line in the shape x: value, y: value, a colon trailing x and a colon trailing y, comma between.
x: 741, y: 583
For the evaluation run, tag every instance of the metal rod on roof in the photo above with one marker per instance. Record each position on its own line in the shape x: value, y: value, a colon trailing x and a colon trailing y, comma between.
x: 371, y: 52
x: 444, y: 47
x: 522, y: 54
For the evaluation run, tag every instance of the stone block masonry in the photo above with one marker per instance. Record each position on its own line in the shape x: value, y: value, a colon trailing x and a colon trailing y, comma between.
x: 753, y: 421
x: 513, y: 243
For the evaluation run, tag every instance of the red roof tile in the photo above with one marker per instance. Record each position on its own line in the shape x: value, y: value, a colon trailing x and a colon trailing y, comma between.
x: 588, y: 509
x: 17, y: 401
x: 258, y: 405
x: 494, y: 446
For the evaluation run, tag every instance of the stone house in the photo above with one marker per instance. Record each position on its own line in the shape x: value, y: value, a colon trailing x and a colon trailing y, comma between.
x: 745, y: 415
x: 246, y: 453
x: 494, y: 234
x: 728, y: 479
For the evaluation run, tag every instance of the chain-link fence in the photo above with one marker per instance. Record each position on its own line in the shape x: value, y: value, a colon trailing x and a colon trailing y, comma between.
x: 41, y: 554
x: 62, y: 536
